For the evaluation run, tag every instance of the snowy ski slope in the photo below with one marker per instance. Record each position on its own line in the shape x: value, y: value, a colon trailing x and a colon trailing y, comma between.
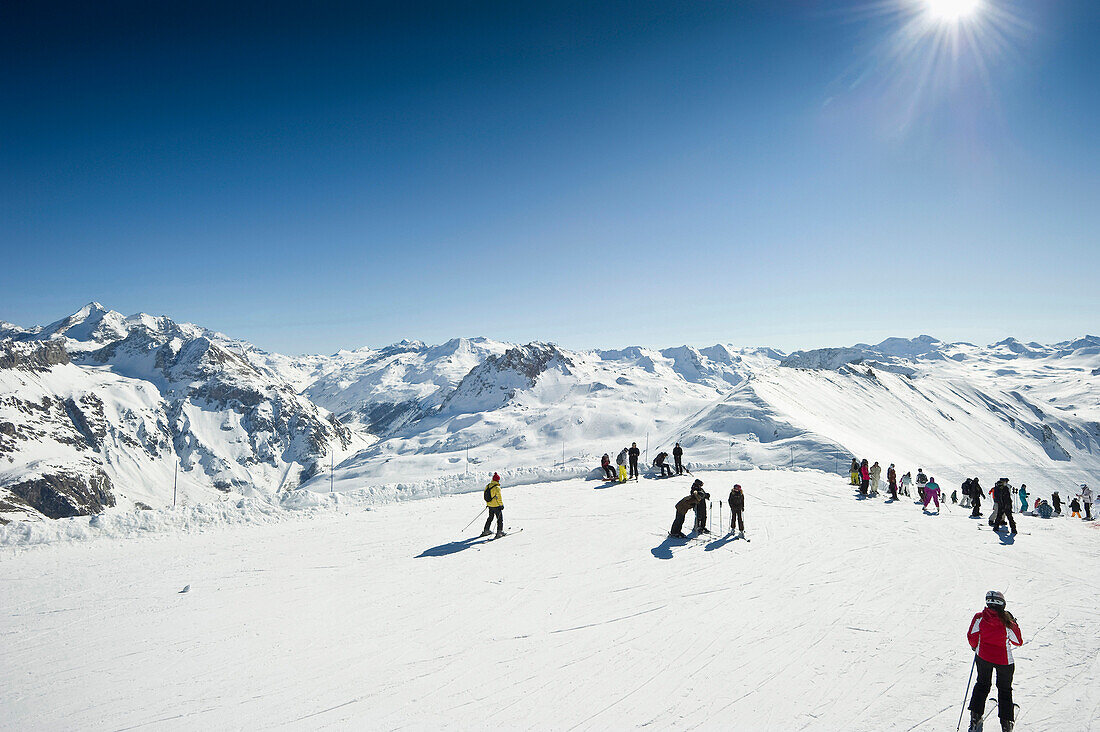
x: 839, y: 615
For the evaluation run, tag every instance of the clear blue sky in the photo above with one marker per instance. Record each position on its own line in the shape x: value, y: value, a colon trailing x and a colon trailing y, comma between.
x: 793, y: 173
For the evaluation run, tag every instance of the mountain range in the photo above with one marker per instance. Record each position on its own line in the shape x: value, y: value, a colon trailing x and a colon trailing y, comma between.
x: 101, y: 410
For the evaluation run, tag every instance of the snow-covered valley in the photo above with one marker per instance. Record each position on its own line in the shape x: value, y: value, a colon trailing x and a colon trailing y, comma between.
x: 840, y: 614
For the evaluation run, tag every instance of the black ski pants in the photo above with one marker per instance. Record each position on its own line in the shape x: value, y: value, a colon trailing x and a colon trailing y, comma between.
x: 666, y: 471
x: 736, y: 521
x: 985, y: 681
x: 678, y: 524
x: 608, y: 472
x: 498, y: 512
x: 700, y: 515
x: 679, y: 466
x: 1003, y: 513
x: 633, y: 467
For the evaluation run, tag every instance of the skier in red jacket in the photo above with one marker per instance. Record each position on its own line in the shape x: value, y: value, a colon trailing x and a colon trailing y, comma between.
x: 992, y: 634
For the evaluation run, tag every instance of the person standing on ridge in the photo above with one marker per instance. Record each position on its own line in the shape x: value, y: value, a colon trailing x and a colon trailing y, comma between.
x: 684, y: 505
x: 737, y: 507
x: 678, y: 456
x: 700, y: 507
x: 892, y: 481
x: 876, y: 477
x: 992, y: 634
x: 634, y: 453
x: 864, y: 477
x: 932, y: 493
x: 853, y: 472
x: 495, y: 502
x: 605, y: 463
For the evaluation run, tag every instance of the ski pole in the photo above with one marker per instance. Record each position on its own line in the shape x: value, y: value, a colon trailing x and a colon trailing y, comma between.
x: 967, y: 692
x: 475, y: 518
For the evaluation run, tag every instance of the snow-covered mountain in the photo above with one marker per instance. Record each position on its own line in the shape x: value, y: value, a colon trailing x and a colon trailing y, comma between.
x: 97, y: 408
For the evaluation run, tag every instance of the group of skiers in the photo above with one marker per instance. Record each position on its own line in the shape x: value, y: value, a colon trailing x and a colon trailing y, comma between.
x: 867, y: 479
x: 628, y: 456
x: 697, y: 500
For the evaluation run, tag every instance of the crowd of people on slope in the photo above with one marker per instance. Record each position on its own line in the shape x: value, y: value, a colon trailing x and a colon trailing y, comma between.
x: 627, y: 462
x: 867, y: 479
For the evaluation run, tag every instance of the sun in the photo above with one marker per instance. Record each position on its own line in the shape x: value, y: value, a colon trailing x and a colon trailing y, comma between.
x: 952, y: 11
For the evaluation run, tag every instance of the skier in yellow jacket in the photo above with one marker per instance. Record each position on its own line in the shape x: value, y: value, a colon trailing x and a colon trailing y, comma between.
x: 495, y: 503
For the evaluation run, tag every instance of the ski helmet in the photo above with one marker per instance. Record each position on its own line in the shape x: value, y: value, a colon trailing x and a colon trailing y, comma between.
x: 995, y: 599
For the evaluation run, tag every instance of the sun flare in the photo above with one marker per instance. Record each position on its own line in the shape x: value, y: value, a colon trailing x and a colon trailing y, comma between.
x: 952, y: 10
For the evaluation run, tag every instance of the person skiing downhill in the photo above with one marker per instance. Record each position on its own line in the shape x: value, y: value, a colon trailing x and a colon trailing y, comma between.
x: 634, y: 453
x: 495, y: 503
x: 737, y: 507
x: 876, y: 477
x: 684, y: 505
x: 605, y: 463
x: 678, y: 456
x: 700, y: 507
x: 993, y: 632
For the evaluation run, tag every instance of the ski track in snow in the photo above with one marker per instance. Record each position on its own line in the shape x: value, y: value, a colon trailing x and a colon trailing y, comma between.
x: 844, y: 614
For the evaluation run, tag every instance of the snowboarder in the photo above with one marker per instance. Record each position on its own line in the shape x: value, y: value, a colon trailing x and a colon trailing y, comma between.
x: 678, y: 456
x: 976, y: 498
x: 659, y: 461
x: 992, y: 634
x: 853, y: 472
x: 1023, y: 497
x: 605, y: 463
x: 922, y: 480
x: 1002, y: 500
x: 906, y: 481
x: 876, y: 476
x: 1086, y: 501
x: 634, y: 453
x: 1057, y: 501
x: 684, y: 505
x: 864, y: 477
x: 737, y: 507
x: 495, y: 503
x: 892, y: 480
x: 700, y: 507
x: 932, y: 493
x: 1075, y: 508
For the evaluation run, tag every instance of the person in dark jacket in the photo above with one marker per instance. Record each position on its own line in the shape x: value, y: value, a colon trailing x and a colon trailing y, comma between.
x: 992, y: 634
x: 700, y: 507
x: 608, y: 471
x: 659, y: 461
x: 1002, y: 499
x: 684, y: 505
x: 737, y: 507
x: 678, y: 456
x: 976, y: 498
x: 634, y: 453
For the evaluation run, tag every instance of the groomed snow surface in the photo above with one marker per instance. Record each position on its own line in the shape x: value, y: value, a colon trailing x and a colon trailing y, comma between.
x: 841, y: 614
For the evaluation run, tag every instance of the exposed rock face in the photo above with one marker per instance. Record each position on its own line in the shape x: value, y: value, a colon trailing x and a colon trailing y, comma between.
x: 64, y: 495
